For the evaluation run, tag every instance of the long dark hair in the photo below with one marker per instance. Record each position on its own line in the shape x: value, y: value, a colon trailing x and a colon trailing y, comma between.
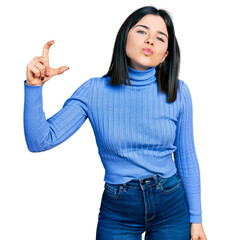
x: 167, y: 73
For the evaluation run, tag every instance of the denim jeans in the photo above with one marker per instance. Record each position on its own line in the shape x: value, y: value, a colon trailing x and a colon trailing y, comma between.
x: 154, y: 205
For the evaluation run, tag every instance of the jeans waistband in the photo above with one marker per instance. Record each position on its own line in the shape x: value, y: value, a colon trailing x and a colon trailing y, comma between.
x: 153, y: 180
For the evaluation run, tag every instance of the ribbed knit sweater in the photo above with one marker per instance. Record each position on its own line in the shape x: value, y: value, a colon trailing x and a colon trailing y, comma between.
x: 137, y: 132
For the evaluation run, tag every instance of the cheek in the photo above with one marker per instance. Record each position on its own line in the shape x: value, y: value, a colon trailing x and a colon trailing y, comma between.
x: 161, y: 51
x: 164, y: 49
x: 132, y: 47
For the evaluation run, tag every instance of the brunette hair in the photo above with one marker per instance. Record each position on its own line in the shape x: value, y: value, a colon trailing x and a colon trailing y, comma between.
x: 167, y: 73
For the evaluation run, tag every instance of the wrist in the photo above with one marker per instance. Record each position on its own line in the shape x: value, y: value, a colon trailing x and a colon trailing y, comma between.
x: 32, y: 83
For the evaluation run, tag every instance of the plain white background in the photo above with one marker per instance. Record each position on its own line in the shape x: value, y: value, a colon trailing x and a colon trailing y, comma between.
x: 56, y: 194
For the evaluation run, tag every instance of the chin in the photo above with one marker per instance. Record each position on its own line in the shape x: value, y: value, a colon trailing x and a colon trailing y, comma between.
x: 144, y: 64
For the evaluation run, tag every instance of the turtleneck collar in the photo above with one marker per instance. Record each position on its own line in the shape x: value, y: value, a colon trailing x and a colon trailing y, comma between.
x: 140, y: 78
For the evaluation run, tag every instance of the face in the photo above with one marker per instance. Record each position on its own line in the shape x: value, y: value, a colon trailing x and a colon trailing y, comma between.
x: 147, y: 43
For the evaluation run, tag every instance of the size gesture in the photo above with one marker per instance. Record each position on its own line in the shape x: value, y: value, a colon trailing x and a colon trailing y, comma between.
x: 39, y: 70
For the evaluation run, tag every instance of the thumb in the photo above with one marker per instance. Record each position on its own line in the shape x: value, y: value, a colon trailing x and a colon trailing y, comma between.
x: 59, y: 70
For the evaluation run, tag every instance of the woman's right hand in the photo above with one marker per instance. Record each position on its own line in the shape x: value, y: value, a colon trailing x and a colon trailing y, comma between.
x: 39, y: 71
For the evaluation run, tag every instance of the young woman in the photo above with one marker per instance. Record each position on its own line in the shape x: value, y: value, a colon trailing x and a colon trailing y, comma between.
x: 141, y: 114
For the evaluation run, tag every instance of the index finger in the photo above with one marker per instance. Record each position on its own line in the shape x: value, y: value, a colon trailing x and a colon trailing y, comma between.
x: 46, y: 48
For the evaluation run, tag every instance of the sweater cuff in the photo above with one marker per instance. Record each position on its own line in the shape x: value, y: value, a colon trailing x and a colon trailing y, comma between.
x: 195, y: 219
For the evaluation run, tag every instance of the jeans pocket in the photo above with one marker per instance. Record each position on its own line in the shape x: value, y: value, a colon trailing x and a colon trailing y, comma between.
x: 170, y: 184
x: 113, y: 190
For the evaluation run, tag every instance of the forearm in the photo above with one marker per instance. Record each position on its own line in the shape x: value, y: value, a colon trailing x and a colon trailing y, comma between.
x: 190, y: 177
x: 36, y: 128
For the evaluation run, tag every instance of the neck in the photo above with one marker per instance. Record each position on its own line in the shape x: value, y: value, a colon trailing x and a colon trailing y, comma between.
x: 140, y: 78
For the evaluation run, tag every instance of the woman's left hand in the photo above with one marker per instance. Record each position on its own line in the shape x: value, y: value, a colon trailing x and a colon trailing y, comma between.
x: 197, y: 231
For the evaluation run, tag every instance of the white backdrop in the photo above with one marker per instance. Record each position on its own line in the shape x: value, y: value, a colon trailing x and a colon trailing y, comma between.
x: 56, y: 194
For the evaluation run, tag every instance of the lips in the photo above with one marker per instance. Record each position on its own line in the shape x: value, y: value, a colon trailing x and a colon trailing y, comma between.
x: 147, y: 51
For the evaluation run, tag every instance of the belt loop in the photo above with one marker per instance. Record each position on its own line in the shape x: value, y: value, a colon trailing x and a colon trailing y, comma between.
x: 157, y: 183
x: 123, y: 187
x: 155, y: 179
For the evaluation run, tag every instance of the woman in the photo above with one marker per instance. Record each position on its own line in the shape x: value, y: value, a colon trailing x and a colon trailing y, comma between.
x: 141, y: 115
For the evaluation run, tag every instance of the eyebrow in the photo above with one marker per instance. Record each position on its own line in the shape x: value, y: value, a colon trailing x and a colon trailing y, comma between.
x: 148, y: 29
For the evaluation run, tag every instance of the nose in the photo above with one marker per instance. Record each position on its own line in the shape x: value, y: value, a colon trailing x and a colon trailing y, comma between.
x: 149, y: 42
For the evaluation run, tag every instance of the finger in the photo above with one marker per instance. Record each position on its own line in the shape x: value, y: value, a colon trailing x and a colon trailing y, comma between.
x: 46, y: 48
x: 33, y: 71
x: 40, y: 67
x: 29, y: 73
x: 59, y: 70
x: 45, y: 62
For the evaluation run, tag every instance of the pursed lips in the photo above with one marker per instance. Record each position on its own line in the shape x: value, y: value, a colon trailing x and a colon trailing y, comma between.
x: 147, y: 51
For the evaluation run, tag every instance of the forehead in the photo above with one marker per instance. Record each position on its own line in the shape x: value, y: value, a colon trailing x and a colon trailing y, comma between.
x: 153, y: 22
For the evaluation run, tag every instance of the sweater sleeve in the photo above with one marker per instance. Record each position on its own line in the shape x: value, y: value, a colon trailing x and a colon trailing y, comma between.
x: 42, y: 134
x: 185, y: 156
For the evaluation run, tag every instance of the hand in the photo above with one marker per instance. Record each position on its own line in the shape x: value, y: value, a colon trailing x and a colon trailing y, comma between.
x: 197, y: 231
x: 38, y: 69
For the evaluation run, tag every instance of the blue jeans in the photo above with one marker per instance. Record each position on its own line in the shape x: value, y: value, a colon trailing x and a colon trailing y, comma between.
x: 154, y: 205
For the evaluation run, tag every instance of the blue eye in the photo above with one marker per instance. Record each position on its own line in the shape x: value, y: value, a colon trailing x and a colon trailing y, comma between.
x: 141, y: 31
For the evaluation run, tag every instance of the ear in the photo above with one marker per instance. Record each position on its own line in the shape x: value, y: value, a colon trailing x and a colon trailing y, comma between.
x: 166, y: 54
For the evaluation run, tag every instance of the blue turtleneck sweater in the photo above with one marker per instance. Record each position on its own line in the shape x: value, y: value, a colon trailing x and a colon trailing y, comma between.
x: 137, y: 132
